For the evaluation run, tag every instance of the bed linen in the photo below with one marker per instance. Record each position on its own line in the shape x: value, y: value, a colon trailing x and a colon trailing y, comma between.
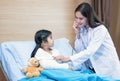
x: 68, y: 75
x: 14, y: 56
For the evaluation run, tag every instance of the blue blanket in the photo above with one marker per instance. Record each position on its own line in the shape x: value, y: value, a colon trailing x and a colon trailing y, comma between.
x: 68, y: 75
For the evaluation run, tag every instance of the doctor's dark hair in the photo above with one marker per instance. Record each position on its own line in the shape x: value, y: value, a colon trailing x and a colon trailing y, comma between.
x: 87, y: 11
x: 40, y: 36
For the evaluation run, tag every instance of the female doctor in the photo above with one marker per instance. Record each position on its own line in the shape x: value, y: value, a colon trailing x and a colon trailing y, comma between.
x: 93, y: 44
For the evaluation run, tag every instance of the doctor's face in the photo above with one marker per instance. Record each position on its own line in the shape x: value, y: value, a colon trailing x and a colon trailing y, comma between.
x: 80, y: 19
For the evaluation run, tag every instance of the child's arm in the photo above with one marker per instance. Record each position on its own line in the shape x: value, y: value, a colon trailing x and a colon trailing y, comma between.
x: 52, y: 64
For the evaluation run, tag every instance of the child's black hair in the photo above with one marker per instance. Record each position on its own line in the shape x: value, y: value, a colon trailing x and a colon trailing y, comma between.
x: 40, y: 36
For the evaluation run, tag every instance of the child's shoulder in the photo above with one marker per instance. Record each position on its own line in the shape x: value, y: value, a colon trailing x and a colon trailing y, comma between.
x: 40, y: 50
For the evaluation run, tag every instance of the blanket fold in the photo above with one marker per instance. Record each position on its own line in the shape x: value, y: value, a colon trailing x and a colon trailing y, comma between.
x: 68, y: 75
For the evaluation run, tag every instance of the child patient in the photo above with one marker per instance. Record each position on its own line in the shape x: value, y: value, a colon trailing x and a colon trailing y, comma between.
x: 44, y: 53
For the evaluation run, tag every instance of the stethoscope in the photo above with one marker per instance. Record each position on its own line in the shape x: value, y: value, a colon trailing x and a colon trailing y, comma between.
x: 73, y: 49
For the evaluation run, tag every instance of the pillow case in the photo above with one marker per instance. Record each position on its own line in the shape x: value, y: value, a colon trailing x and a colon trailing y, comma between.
x: 63, y: 46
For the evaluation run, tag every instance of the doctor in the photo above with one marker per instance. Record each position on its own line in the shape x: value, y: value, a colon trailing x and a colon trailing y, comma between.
x: 93, y: 44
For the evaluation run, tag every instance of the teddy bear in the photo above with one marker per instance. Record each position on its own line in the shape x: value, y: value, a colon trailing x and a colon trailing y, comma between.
x: 33, y: 69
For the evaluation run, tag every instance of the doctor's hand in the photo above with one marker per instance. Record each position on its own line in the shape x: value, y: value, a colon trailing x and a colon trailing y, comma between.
x: 77, y: 29
x: 62, y: 58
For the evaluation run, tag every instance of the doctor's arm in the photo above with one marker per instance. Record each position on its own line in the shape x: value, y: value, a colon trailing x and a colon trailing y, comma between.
x: 95, y: 43
x: 97, y: 40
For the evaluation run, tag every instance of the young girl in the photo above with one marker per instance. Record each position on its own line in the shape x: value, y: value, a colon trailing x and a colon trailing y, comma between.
x: 44, y: 53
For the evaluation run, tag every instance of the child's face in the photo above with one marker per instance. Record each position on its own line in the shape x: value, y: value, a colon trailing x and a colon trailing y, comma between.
x: 50, y: 41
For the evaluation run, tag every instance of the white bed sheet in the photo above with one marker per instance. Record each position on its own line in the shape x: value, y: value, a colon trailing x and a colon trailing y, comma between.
x: 15, y: 54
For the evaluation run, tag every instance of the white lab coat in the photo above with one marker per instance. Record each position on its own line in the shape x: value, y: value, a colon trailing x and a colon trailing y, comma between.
x: 97, y: 46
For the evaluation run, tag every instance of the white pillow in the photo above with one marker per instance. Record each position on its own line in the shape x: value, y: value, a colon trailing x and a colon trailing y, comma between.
x: 21, y: 50
x: 63, y: 46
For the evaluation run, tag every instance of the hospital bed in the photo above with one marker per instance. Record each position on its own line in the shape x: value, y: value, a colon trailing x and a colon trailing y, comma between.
x: 15, y: 54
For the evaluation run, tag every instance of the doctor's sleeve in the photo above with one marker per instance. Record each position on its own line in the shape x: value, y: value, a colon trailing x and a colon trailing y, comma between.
x: 95, y: 43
